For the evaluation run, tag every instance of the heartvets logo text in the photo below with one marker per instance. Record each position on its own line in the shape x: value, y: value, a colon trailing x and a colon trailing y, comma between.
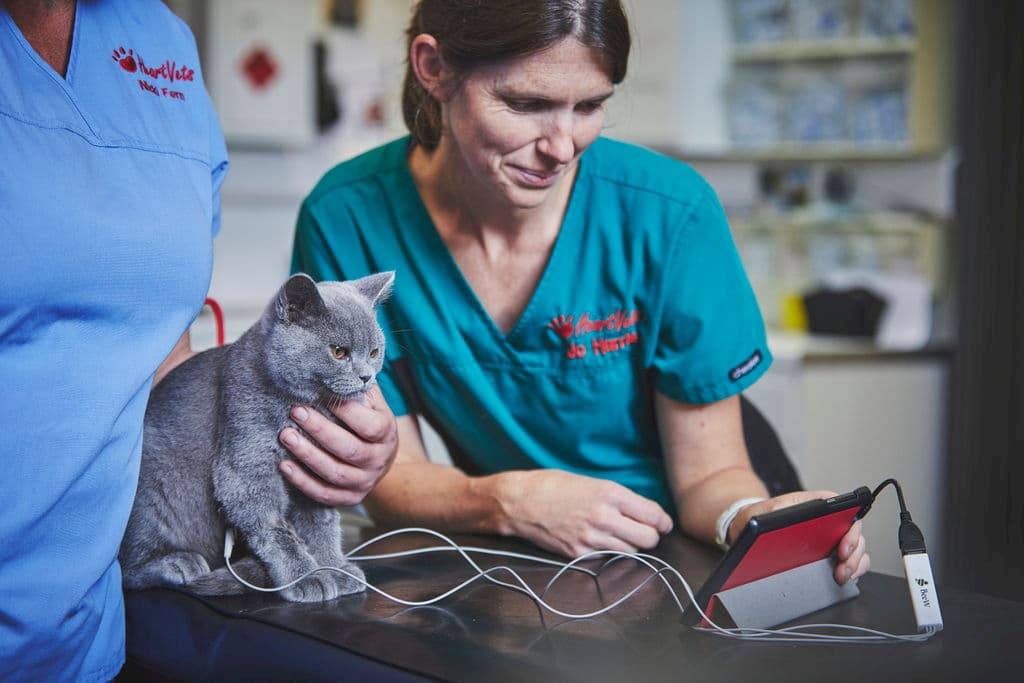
x: 170, y: 71
x: 568, y: 327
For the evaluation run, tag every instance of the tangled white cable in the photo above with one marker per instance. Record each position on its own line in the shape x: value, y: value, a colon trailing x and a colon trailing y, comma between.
x: 659, y: 569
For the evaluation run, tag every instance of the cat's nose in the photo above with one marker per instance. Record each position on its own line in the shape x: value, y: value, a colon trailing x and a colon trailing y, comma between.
x: 365, y: 378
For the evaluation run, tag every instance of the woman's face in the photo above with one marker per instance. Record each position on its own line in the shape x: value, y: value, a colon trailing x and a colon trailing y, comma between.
x: 518, y: 126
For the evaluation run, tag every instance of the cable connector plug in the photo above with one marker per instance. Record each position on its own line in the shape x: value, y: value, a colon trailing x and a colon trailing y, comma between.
x: 229, y: 543
x: 910, y: 536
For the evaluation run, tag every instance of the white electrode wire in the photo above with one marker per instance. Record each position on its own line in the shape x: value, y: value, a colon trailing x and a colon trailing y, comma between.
x: 468, y: 549
x: 617, y: 555
x: 409, y: 603
x: 790, y: 634
x: 483, y: 573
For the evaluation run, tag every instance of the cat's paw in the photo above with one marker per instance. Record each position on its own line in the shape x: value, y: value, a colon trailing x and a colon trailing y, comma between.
x: 325, y: 585
x: 315, y: 588
x: 183, y: 568
x: 350, y: 584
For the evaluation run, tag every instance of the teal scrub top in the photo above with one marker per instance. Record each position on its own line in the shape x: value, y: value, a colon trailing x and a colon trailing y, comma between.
x: 644, y: 290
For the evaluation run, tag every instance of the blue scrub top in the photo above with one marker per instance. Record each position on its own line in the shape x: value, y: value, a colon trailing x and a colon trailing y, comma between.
x: 644, y: 290
x: 109, y: 182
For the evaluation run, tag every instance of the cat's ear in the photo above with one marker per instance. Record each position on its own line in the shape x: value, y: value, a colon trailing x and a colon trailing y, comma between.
x: 376, y: 287
x: 299, y: 299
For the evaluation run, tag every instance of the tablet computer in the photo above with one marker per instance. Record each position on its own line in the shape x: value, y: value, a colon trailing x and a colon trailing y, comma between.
x: 778, y: 541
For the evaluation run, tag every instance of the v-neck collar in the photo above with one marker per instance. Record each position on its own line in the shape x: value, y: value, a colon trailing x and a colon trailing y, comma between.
x: 65, y: 82
x: 69, y: 74
x: 445, y: 261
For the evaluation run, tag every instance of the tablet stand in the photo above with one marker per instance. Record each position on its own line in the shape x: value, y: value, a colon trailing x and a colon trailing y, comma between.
x: 782, y: 597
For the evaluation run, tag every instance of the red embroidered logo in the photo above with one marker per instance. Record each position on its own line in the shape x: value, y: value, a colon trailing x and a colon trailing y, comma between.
x: 125, y: 60
x: 584, y: 325
x: 170, y: 71
x: 562, y: 325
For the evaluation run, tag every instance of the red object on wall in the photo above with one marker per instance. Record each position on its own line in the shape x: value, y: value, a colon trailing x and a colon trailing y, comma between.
x: 218, y: 316
x: 259, y: 68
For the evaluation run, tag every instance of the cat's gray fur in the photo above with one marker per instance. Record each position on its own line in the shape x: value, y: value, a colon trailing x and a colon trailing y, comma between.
x: 210, y: 448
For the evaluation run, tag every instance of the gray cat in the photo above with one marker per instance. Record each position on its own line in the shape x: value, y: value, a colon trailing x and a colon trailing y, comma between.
x: 210, y: 448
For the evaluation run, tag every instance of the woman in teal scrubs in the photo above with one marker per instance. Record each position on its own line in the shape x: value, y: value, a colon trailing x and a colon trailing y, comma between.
x: 570, y: 312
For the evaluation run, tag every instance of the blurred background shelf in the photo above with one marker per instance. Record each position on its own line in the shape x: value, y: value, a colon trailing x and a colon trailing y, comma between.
x: 833, y: 48
x: 833, y: 151
x: 705, y: 88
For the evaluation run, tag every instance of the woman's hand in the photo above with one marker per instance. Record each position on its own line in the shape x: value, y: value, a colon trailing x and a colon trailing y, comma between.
x: 347, y: 464
x: 853, y: 557
x: 572, y: 514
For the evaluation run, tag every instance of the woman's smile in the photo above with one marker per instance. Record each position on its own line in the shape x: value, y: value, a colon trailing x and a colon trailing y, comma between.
x: 532, y: 178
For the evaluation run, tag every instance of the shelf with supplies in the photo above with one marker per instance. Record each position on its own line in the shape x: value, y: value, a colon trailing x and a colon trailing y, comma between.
x: 856, y: 89
x: 832, y: 48
x: 824, y: 81
x: 875, y: 223
x: 806, y: 152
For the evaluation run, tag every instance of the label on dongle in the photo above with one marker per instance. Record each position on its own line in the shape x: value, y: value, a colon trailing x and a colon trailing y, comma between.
x: 923, y: 594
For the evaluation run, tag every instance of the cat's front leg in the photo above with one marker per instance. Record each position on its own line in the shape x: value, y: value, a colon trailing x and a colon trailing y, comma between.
x: 256, y: 507
x: 320, y: 527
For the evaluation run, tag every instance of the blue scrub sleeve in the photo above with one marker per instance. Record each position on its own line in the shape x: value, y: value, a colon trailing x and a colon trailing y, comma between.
x: 218, y: 168
x: 311, y: 255
x: 711, y: 337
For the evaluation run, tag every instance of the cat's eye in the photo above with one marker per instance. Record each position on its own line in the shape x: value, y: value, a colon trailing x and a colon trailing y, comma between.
x: 374, y: 353
x: 339, y: 352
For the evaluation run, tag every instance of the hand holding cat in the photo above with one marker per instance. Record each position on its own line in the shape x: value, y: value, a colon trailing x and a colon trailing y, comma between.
x: 346, y: 464
x: 573, y: 514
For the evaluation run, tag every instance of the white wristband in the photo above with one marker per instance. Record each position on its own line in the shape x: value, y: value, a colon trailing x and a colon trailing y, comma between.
x: 725, y: 519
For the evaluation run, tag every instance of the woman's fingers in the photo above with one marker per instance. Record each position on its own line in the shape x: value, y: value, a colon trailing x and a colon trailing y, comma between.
x: 848, y: 544
x: 330, y: 436
x: 863, y: 567
x: 331, y: 470
x: 600, y: 541
x: 789, y: 499
x: 371, y: 420
x: 635, y: 534
x: 645, y: 511
x: 316, y: 489
x: 848, y: 567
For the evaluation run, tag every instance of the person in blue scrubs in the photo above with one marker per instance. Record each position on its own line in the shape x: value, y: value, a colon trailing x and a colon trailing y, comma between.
x: 570, y: 312
x: 111, y: 162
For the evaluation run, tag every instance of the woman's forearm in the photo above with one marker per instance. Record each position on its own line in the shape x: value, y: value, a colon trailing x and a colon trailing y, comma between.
x: 442, y: 498
x: 700, y: 505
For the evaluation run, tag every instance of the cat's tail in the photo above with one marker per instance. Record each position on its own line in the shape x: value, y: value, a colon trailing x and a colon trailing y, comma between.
x: 221, y: 582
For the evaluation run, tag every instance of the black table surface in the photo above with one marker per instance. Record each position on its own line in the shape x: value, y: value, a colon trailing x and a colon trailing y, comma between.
x: 488, y: 633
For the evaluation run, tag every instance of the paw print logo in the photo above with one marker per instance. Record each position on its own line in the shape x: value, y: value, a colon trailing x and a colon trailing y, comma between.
x: 562, y: 325
x: 126, y: 60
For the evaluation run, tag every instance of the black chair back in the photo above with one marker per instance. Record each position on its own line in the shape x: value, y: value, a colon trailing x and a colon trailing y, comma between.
x: 767, y: 455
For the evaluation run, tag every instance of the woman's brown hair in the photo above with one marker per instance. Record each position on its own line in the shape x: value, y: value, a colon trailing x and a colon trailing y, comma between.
x: 473, y: 33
